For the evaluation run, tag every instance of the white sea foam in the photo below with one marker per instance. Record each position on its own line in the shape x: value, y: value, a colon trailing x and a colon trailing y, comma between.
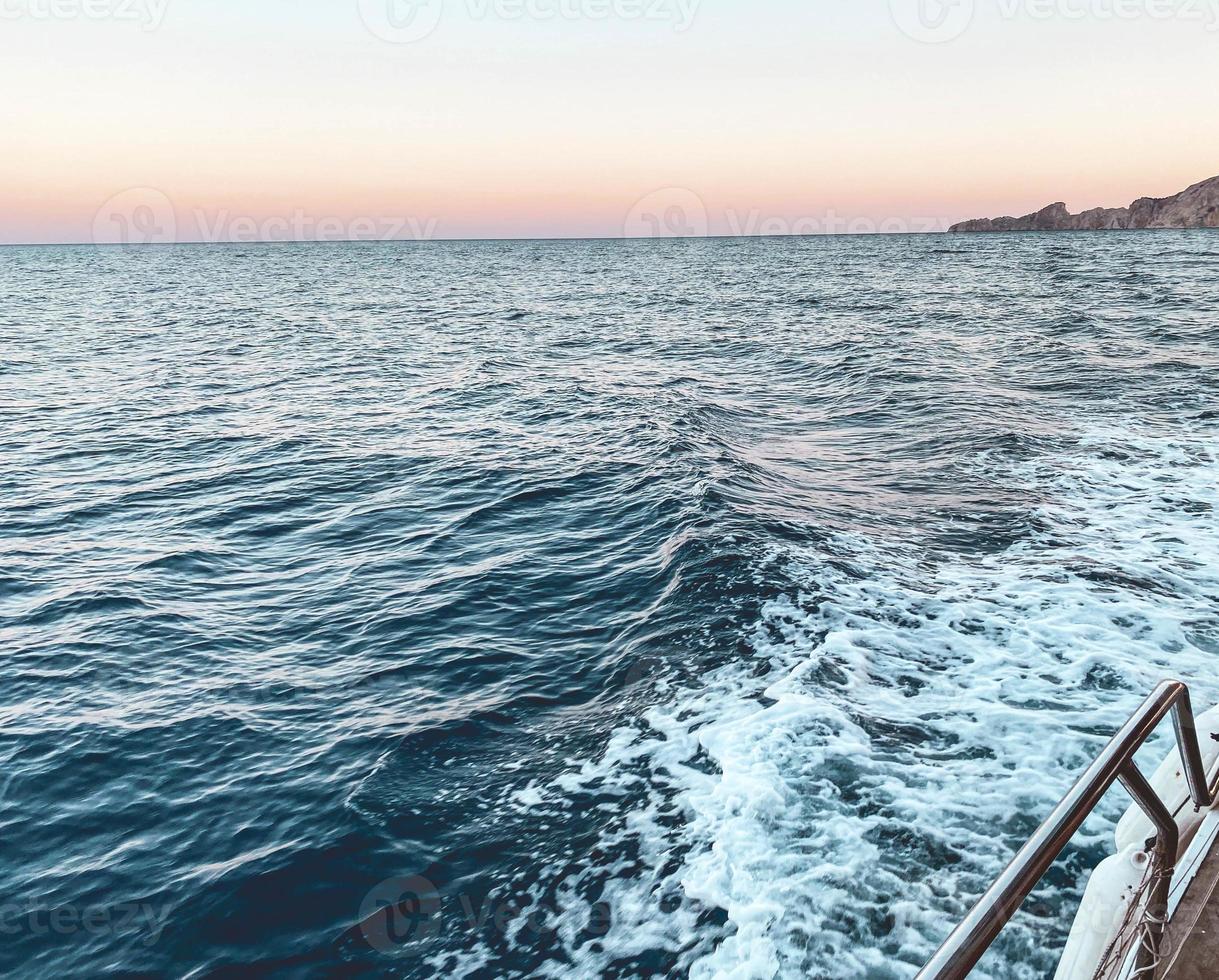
x: 919, y: 715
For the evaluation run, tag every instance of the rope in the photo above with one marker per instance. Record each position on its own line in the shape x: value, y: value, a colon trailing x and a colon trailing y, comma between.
x: 1119, y: 948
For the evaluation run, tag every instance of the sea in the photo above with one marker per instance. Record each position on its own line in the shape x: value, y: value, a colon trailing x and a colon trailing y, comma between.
x: 709, y: 608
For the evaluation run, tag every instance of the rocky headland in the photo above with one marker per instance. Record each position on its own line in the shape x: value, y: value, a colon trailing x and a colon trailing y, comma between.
x: 1194, y: 207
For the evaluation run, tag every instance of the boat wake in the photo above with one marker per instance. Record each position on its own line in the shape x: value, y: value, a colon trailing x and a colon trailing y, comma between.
x: 833, y: 803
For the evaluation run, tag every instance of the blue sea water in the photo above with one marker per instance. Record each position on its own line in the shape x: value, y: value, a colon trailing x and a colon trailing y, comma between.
x: 709, y: 608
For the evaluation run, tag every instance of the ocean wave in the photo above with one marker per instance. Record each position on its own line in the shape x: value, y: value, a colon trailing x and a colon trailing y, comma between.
x: 900, y: 727
x: 710, y: 609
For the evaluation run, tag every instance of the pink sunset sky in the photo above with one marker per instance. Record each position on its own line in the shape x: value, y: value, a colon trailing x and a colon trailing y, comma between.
x: 236, y: 120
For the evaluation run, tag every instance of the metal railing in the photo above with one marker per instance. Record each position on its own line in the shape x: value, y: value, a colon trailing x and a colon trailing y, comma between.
x: 971, y: 939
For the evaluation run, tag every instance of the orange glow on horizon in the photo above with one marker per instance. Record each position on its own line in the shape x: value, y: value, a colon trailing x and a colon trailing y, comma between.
x: 512, y: 128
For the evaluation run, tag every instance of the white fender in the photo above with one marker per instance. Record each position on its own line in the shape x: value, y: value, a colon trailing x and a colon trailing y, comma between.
x: 1134, y: 829
x: 1112, y: 887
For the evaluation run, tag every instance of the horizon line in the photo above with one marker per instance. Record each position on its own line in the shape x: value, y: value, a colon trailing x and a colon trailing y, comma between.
x: 571, y: 238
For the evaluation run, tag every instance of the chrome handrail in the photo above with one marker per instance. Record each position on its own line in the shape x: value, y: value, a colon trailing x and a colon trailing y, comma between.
x: 966, y: 945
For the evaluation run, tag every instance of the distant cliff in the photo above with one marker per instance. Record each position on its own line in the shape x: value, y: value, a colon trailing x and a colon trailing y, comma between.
x: 1195, y: 207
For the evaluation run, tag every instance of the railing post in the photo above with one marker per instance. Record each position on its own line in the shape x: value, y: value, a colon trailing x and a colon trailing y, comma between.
x: 1155, y: 915
x: 1191, y: 753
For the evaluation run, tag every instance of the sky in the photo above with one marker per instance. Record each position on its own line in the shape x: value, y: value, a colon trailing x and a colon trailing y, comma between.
x: 242, y: 120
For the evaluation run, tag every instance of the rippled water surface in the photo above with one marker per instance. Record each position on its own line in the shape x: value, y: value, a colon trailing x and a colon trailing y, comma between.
x: 702, y: 608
